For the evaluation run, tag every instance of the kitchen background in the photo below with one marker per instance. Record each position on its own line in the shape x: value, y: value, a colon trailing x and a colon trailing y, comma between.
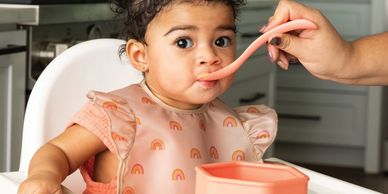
x: 321, y: 123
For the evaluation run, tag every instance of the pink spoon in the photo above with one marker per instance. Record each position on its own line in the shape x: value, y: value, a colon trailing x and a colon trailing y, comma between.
x: 297, y: 24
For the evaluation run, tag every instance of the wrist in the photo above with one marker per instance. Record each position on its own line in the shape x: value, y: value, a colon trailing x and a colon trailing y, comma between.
x: 46, y: 175
x: 347, y: 59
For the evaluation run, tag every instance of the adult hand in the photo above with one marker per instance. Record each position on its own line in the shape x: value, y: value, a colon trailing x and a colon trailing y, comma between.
x: 322, y: 51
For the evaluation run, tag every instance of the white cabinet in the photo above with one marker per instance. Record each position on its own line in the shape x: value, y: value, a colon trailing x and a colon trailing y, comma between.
x: 321, y: 118
x: 325, y: 122
x: 12, y: 96
x: 350, y: 18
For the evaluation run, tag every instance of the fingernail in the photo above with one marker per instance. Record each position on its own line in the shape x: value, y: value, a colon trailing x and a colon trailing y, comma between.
x: 276, y: 41
x: 263, y: 28
x: 270, y: 56
x: 282, y: 65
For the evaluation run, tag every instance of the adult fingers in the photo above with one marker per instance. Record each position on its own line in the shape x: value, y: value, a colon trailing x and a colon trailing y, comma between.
x: 283, y: 61
x: 273, y: 53
x: 289, y: 10
x: 288, y: 43
x: 277, y: 56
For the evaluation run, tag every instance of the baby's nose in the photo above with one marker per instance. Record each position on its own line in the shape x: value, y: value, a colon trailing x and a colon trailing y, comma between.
x: 208, y: 55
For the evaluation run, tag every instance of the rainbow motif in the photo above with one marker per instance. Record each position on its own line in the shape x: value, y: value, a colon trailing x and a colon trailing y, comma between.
x: 178, y: 175
x: 175, y: 126
x: 146, y: 100
x: 202, y: 125
x: 157, y: 144
x: 253, y: 110
x: 195, y: 153
x: 133, y: 124
x: 137, y: 169
x: 128, y: 190
x: 109, y: 105
x: 230, y: 121
x: 213, y: 153
x: 238, y: 155
x: 117, y: 137
x: 263, y: 135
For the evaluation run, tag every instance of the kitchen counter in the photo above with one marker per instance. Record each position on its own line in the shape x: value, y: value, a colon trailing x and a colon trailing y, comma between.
x: 54, y: 14
x: 15, y: 14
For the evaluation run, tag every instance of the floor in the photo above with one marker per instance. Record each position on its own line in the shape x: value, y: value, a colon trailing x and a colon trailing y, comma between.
x: 377, y: 182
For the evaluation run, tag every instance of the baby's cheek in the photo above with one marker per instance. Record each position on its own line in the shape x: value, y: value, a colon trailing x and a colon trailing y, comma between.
x: 226, y: 83
x: 229, y: 80
x: 169, y: 76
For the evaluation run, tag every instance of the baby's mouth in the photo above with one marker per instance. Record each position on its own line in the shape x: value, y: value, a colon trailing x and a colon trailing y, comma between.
x: 207, y: 84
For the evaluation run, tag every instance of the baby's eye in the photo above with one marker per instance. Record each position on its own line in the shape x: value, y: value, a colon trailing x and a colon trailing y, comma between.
x: 184, y: 43
x: 222, y: 41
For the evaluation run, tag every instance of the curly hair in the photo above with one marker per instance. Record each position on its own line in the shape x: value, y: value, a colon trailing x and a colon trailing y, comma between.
x: 137, y: 14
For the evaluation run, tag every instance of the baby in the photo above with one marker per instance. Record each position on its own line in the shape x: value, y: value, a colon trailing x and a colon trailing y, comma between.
x: 147, y: 138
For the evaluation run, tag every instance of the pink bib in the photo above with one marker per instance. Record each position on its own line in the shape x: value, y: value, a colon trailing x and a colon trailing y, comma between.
x: 158, y: 145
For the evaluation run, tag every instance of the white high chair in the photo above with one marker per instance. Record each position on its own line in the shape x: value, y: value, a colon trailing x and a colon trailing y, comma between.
x: 60, y: 91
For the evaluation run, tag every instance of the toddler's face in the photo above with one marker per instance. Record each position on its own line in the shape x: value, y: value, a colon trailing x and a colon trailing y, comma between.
x: 183, y: 41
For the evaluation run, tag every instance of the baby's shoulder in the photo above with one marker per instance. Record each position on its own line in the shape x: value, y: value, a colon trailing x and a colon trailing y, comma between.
x: 121, y: 96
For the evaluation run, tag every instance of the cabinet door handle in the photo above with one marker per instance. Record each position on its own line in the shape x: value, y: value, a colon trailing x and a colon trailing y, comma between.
x: 10, y: 49
x: 254, y: 98
x: 299, y: 117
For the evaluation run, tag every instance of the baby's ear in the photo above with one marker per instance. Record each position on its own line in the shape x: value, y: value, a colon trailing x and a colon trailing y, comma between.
x: 137, y: 56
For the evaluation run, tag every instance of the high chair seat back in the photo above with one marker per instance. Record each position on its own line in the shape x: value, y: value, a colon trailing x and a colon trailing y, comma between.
x: 61, y: 90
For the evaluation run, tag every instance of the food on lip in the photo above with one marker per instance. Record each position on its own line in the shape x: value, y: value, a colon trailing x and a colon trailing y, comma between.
x: 202, y: 76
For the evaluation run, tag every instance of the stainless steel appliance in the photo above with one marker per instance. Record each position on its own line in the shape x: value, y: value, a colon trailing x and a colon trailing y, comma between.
x: 45, y: 42
x: 62, y: 25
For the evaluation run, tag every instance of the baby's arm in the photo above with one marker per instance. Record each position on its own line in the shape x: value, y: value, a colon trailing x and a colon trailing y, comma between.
x: 58, y: 158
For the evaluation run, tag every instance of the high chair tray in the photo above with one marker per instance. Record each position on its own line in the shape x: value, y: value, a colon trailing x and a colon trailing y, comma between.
x: 318, y: 183
x: 323, y: 184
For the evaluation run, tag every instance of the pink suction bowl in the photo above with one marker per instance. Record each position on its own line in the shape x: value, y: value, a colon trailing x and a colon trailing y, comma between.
x: 249, y: 178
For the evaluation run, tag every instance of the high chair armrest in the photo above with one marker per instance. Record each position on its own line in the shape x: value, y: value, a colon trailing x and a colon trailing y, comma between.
x: 323, y: 184
x: 10, y: 181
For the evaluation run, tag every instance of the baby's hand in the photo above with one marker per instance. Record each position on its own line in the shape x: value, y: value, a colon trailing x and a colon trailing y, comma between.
x: 40, y: 183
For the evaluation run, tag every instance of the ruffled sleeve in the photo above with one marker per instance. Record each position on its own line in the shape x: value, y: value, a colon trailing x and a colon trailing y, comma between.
x: 109, y: 118
x: 260, y: 123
